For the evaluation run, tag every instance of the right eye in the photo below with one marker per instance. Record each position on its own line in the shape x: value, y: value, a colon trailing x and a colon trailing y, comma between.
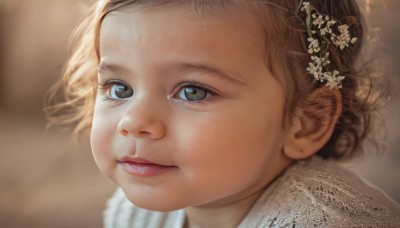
x: 118, y: 90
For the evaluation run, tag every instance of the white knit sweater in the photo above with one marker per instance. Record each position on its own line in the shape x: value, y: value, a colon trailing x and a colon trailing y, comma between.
x: 310, y: 193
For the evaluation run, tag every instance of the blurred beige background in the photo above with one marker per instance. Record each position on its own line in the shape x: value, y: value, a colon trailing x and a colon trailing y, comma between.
x: 46, y: 180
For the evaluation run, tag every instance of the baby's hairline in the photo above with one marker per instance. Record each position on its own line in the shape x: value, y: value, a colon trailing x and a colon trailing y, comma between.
x: 259, y: 14
x: 288, y: 52
x: 201, y: 9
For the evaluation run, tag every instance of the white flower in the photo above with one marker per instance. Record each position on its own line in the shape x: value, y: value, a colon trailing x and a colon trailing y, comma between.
x: 306, y: 6
x: 330, y: 23
x: 320, y: 32
x: 319, y: 21
x: 344, y: 29
x: 325, y: 30
x: 313, y: 46
x: 343, y: 39
x: 333, y: 79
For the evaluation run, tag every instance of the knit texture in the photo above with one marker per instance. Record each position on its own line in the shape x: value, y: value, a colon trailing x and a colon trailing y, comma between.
x: 310, y: 193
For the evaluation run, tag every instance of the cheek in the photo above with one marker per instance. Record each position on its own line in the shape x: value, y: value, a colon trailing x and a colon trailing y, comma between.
x: 220, y: 150
x: 101, y: 136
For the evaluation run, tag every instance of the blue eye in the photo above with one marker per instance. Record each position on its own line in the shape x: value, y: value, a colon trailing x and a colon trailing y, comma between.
x: 118, y: 90
x: 193, y: 93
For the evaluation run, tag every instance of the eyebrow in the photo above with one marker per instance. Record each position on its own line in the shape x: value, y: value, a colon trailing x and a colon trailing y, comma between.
x: 213, y: 70
x: 110, y: 67
x: 185, y: 67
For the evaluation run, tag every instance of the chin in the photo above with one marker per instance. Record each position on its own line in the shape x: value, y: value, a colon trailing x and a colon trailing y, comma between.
x: 153, y: 202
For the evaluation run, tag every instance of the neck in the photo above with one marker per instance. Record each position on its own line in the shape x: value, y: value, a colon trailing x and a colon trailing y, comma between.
x: 230, y: 211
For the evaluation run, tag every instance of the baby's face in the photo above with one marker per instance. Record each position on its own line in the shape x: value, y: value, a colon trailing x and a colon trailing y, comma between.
x: 189, y: 114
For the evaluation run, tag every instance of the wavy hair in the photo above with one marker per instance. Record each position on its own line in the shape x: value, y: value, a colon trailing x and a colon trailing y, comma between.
x: 287, y: 58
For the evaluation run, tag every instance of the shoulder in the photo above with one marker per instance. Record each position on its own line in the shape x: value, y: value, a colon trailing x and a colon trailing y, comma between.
x: 320, y: 193
x: 121, y: 213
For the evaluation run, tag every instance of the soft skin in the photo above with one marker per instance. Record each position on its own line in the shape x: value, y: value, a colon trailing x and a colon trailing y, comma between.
x: 224, y: 149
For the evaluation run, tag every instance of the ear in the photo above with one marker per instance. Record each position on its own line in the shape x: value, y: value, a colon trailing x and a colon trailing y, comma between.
x: 313, y: 123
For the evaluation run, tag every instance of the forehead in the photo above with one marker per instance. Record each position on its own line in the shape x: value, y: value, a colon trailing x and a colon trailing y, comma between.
x: 180, y: 28
x: 157, y: 37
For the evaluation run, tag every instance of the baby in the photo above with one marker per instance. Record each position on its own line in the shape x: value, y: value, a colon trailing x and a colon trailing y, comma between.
x: 226, y: 113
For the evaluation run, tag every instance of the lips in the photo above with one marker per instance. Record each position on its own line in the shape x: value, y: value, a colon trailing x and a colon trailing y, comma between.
x: 143, y: 168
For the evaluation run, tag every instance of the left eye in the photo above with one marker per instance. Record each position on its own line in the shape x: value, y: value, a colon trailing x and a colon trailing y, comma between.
x: 120, y: 91
x: 192, y: 93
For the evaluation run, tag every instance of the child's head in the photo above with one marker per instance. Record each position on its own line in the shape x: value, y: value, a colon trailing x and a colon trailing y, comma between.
x: 217, y: 92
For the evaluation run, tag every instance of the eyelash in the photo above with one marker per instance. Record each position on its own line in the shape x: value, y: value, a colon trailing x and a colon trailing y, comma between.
x: 106, y: 87
x: 181, y: 85
x: 198, y: 85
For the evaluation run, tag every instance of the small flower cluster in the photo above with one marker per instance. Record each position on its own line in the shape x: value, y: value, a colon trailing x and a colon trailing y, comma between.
x: 320, y: 26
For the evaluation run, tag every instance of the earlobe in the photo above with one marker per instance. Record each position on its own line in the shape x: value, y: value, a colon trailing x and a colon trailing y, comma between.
x: 313, y: 124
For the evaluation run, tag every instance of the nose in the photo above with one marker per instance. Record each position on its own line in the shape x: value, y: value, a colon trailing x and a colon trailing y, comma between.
x: 142, y: 120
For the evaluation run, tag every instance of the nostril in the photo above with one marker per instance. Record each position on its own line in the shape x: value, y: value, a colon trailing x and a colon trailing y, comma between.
x: 124, y: 132
x: 145, y: 133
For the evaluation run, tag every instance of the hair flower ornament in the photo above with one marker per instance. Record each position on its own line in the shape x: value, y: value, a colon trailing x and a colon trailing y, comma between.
x: 320, y: 36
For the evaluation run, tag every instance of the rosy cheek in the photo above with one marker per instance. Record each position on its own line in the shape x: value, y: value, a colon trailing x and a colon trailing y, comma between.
x: 101, y: 137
